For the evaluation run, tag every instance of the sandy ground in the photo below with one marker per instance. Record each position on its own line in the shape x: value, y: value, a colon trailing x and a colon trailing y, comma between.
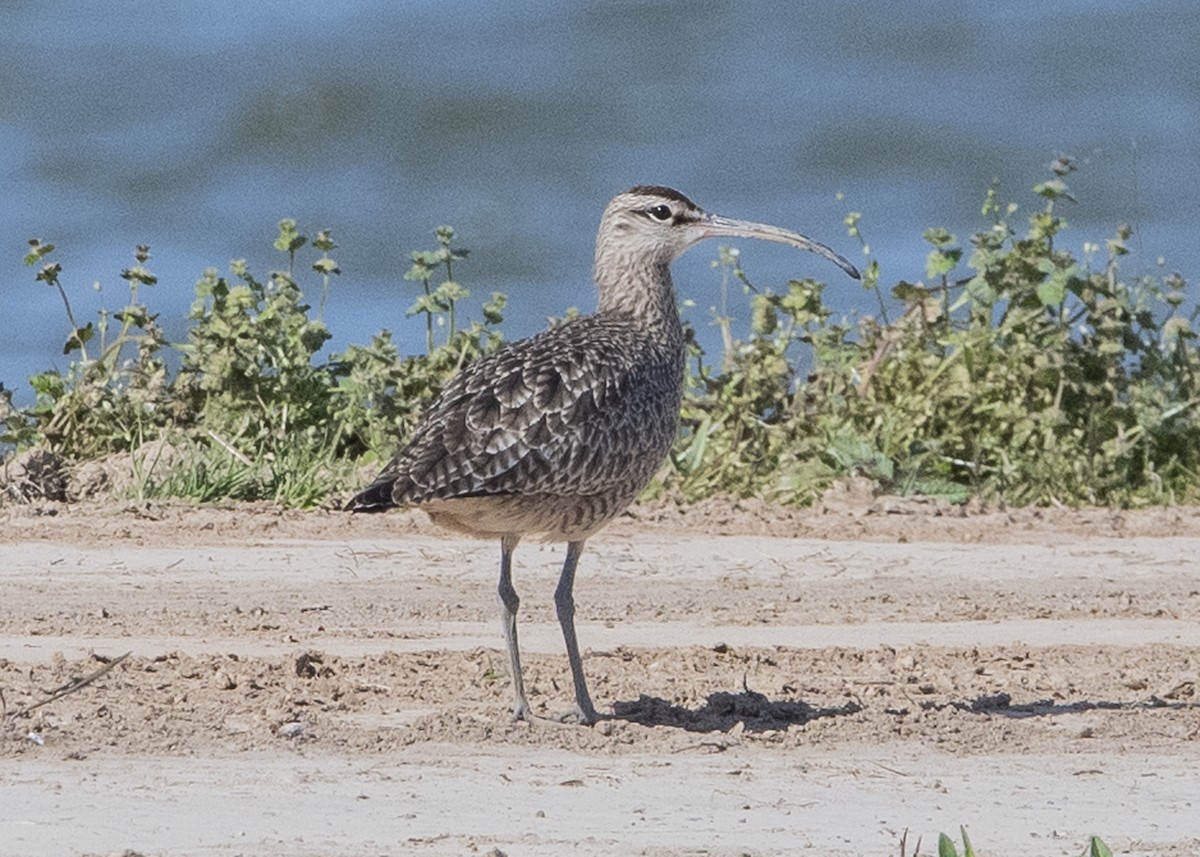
x: 776, y: 682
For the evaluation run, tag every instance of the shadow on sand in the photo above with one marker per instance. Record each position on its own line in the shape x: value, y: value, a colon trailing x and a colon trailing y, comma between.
x: 1001, y: 705
x: 723, y: 710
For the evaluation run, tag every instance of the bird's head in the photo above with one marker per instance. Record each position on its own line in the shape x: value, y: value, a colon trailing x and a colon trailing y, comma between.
x: 650, y: 226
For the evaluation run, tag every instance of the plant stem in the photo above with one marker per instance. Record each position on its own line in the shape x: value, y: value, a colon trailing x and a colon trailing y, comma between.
x: 450, y: 277
x: 71, y: 319
x: 428, y: 321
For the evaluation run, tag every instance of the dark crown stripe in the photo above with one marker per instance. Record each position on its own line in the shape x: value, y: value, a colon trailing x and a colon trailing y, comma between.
x: 665, y: 192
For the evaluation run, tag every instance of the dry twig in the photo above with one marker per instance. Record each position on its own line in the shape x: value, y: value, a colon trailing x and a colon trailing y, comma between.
x: 70, y: 687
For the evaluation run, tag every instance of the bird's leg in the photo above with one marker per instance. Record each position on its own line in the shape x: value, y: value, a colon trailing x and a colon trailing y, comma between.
x: 509, y: 603
x: 564, y: 602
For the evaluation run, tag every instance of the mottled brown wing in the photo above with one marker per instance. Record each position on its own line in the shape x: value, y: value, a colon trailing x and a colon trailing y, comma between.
x: 585, y: 408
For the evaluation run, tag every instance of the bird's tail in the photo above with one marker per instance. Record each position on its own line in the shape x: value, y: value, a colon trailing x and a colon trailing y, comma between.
x: 377, y: 497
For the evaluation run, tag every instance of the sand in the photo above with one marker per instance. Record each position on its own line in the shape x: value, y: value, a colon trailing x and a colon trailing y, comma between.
x: 774, y: 683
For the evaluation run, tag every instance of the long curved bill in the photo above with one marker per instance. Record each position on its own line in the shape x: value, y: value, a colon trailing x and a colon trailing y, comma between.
x: 715, y: 226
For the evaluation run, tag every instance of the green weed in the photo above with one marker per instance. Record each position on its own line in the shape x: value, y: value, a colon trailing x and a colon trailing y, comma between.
x: 117, y: 392
x: 947, y: 848
x: 1035, y: 379
x: 1014, y: 372
x: 252, y: 413
x: 380, y: 394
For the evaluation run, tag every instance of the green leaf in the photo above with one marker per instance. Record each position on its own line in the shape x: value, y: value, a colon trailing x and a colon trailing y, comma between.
x: 418, y: 272
x: 427, y: 304
x: 941, y: 262
x: 37, y: 251
x: 493, y: 310
x: 49, y: 273
x: 1042, y: 225
x: 1116, y: 245
x: 991, y: 204
x: 1052, y: 291
x: 140, y: 275
x: 47, y: 384
x: 946, y: 846
x: 1097, y: 848
x: 908, y: 292
x: 326, y: 266
x: 1176, y: 327
x: 938, y: 237
x: 1053, y: 189
x: 79, y: 338
x: 451, y: 291
x: 981, y: 290
x: 313, y: 335
x: 428, y: 258
x: 323, y: 241
x: 289, y: 240
x: 134, y: 315
x: 968, y: 851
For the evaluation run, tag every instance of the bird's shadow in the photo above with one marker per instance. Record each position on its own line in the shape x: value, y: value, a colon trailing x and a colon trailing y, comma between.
x: 723, y: 710
x: 1001, y: 705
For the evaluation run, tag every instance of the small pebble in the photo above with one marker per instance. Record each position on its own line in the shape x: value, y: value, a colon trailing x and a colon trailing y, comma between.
x: 291, y: 730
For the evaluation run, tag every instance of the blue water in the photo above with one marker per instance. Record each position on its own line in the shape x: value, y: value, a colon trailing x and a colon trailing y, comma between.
x: 194, y: 127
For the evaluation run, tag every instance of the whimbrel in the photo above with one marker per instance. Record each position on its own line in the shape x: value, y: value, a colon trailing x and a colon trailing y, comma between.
x: 555, y: 435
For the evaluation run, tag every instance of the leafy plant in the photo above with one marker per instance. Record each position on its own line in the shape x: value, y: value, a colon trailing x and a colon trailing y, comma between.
x: 1014, y: 371
x: 379, y: 395
x: 442, y: 300
x: 107, y: 402
x: 248, y: 373
x: 738, y: 418
x: 278, y: 424
x: 947, y: 848
x: 1035, y: 379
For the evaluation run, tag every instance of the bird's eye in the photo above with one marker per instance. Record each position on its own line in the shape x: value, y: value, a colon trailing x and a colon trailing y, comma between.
x: 661, y: 213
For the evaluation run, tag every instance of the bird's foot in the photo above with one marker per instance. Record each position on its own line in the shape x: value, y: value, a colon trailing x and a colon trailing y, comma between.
x: 574, y: 717
x: 579, y: 716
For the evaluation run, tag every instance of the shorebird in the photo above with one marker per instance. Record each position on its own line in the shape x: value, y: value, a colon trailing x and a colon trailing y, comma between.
x: 555, y: 435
